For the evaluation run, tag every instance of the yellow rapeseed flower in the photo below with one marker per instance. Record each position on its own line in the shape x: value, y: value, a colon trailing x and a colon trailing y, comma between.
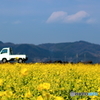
x: 1, y: 81
x: 79, y: 77
x: 44, y: 86
x: 8, y: 93
x: 40, y: 87
x: 98, y: 89
x: 2, y: 93
x: 28, y: 94
x: 79, y: 81
x: 59, y: 98
x: 24, y: 71
x: 94, y: 97
x: 46, y: 94
x: 40, y: 98
x: 83, y: 99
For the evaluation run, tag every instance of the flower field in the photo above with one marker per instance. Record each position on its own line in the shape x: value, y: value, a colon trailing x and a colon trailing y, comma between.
x: 41, y: 81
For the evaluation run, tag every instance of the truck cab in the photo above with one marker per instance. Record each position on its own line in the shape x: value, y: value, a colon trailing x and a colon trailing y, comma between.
x: 6, y: 51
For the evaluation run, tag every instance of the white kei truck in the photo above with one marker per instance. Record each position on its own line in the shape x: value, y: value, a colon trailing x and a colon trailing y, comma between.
x: 6, y: 55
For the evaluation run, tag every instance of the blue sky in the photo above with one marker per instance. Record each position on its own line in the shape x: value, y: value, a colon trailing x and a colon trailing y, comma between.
x: 49, y: 21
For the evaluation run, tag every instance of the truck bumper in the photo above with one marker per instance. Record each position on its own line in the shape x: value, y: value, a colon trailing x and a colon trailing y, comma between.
x: 26, y: 59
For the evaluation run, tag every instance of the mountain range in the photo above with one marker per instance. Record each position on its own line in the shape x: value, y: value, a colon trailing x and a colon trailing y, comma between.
x: 68, y: 51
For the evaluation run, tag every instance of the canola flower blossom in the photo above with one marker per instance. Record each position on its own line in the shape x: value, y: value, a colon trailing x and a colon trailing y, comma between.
x: 40, y: 98
x: 1, y: 81
x: 44, y: 86
x: 24, y: 71
x: 39, y: 81
x: 59, y: 98
x: 28, y: 94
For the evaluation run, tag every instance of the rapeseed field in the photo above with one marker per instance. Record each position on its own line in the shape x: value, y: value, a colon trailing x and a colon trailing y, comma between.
x: 41, y: 81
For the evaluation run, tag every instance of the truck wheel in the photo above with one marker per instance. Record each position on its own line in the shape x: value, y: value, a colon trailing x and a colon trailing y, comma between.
x: 4, y: 60
x: 20, y: 60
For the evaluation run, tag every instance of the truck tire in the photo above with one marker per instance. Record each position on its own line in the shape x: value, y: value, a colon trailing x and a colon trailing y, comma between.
x: 20, y: 60
x: 4, y: 60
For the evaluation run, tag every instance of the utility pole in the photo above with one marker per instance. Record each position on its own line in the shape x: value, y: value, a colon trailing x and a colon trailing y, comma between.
x: 84, y: 57
x: 76, y: 57
x: 65, y: 58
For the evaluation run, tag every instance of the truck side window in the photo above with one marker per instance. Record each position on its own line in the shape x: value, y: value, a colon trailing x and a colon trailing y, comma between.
x: 4, y: 51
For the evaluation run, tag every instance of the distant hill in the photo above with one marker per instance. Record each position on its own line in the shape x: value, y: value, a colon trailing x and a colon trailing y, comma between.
x: 69, y: 51
x: 75, y: 51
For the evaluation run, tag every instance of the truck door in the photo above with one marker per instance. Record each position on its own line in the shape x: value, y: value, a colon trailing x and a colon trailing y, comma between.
x: 4, y: 54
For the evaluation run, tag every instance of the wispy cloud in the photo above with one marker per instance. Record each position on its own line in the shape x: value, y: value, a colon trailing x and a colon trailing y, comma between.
x: 91, y: 20
x: 61, y: 16
x: 76, y: 17
x: 57, y: 16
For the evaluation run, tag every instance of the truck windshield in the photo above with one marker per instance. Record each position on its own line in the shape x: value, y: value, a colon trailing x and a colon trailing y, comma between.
x: 4, y: 51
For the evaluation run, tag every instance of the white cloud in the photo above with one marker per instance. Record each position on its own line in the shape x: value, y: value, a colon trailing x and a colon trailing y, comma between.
x: 57, y: 16
x: 91, y: 20
x: 76, y: 17
x: 64, y: 17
